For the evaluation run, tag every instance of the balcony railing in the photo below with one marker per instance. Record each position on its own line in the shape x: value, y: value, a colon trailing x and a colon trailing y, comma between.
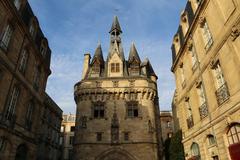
x: 222, y: 94
x: 190, y: 123
x: 203, y: 110
x: 8, y: 121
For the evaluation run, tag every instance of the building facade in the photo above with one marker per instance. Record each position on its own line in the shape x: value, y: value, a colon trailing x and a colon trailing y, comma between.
x: 206, y: 63
x: 166, y: 120
x: 24, y: 70
x: 49, y: 147
x: 67, y: 138
x: 117, y: 106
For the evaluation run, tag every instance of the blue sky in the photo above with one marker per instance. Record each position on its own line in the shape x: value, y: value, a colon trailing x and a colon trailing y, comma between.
x: 74, y: 27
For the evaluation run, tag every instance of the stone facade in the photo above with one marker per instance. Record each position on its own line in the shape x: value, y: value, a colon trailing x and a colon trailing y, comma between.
x: 166, y: 120
x: 117, y: 106
x: 67, y: 139
x: 24, y: 69
x: 206, y: 63
x: 49, y: 147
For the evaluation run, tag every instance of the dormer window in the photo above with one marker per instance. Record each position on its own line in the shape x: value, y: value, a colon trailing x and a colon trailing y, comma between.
x: 95, y: 68
x: 17, y: 4
x: 115, y: 67
x: 134, y: 68
x: 32, y: 28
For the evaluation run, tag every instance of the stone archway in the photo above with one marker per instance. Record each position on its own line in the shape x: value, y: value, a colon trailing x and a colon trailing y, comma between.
x: 21, y: 153
x: 115, y: 154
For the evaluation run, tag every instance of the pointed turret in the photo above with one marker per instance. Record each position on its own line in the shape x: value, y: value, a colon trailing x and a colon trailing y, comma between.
x: 115, y: 25
x: 133, y: 54
x: 148, y: 69
x: 98, y: 56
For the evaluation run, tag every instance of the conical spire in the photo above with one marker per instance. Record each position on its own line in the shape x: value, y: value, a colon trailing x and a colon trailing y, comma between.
x: 146, y: 63
x: 115, y: 25
x: 133, y: 54
x: 98, y: 54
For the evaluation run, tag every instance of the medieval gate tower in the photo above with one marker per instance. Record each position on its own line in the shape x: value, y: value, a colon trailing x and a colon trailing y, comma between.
x: 117, y: 106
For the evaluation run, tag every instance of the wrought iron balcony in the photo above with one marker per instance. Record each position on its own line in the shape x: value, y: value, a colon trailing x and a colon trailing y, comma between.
x: 190, y: 123
x: 7, y: 120
x: 203, y: 110
x: 222, y: 94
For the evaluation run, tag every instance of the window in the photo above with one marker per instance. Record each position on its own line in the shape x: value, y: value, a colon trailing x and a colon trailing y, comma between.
x: 12, y: 103
x: 126, y: 136
x: 203, y: 108
x: 71, y: 138
x: 182, y: 76
x: 201, y: 95
x: 6, y: 37
x: 195, y: 151
x: 43, y: 49
x: 211, y: 140
x: 99, y: 136
x: 132, y: 110
x: 32, y: 28
x: 207, y: 36
x: 62, y: 128
x: 29, y: 114
x: 217, y: 71
x: 2, y: 144
x: 95, y: 68
x: 23, y: 61
x: 234, y: 134
x: 98, y: 110
x: 72, y: 128
x: 115, y: 67
x: 36, y: 78
x: 17, y: 4
x: 193, y: 54
x: 70, y: 154
x: 190, y: 122
x: 168, y: 124
x: 134, y: 68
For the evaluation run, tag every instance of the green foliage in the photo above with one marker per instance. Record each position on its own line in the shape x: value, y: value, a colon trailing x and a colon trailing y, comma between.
x: 166, y: 148
x: 176, y: 150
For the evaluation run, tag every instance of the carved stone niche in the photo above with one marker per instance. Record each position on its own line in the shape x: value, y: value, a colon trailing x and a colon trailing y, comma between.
x: 235, y: 32
x: 201, y: 21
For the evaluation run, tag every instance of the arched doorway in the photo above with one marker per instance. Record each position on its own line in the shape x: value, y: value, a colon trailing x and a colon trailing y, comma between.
x: 21, y: 153
x: 116, y: 154
x: 233, y: 135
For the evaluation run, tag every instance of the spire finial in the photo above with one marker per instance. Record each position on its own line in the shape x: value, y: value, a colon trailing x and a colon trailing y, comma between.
x: 115, y: 25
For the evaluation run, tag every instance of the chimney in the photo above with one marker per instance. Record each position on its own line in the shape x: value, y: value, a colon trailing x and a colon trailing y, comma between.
x: 86, y: 63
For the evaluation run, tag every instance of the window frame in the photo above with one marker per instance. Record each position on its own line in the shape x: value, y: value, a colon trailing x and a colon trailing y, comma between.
x: 132, y: 110
x: 98, y: 110
x: 23, y: 61
x: 12, y: 103
x: 236, y: 128
x: 6, y: 37
x: 115, y: 67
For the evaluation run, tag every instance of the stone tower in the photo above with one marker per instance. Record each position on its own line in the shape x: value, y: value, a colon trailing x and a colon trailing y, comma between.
x: 117, y: 106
